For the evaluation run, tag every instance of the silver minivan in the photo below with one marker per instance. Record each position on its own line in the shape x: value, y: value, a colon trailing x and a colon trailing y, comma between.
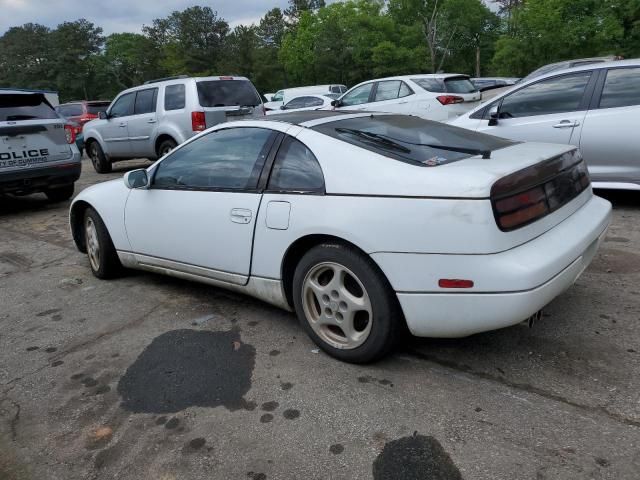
x: 151, y: 120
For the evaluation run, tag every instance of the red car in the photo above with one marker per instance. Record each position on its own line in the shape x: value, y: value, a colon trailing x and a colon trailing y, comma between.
x: 82, y: 111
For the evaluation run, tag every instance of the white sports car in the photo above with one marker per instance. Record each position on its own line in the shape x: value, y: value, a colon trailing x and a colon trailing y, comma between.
x: 362, y: 223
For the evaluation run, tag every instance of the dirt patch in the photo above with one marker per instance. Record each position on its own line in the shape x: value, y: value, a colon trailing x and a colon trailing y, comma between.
x: 610, y: 260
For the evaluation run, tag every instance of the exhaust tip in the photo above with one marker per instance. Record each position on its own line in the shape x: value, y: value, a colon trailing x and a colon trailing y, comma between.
x: 531, y: 321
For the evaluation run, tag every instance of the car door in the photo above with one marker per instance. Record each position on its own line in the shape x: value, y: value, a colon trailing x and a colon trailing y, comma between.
x: 143, y: 123
x: 609, y: 140
x: 550, y: 110
x: 115, y: 130
x: 357, y: 98
x: 198, y: 215
x: 392, y: 96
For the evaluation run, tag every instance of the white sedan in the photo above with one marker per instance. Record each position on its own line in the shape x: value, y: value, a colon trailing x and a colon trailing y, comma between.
x: 362, y: 223
x: 441, y: 96
x: 306, y: 102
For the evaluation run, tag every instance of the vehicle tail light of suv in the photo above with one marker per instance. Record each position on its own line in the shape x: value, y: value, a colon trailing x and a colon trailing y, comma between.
x: 198, y: 121
x: 530, y: 194
x: 449, y: 99
x: 70, y: 132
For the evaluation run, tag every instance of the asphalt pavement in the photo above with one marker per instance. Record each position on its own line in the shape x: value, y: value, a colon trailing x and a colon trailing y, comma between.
x: 151, y: 377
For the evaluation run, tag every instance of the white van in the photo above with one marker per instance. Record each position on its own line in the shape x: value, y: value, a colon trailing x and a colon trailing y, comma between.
x: 283, y: 96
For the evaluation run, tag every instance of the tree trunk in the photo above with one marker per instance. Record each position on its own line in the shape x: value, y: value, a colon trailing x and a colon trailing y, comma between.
x: 477, y: 60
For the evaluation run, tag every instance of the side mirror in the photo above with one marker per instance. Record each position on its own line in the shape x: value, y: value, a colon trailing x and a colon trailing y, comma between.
x: 494, y: 114
x: 335, y: 103
x: 282, y: 107
x: 103, y: 116
x: 136, y: 179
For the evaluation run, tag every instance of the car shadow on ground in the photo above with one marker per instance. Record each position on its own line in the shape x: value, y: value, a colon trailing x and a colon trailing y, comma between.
x: 621, y: 198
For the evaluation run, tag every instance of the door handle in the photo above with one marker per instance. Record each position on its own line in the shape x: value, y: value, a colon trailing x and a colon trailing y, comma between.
x: 151, y: 120
x: 566, y: 124
x: 241, y: 215
x: 122, y: 125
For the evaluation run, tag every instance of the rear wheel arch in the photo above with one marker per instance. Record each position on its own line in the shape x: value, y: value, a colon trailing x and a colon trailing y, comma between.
x: 76, y: 220
x: 302, y: 245
x: 161, y: 139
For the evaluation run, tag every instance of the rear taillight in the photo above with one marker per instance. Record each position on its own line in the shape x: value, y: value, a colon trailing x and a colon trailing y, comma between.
x: 560, y: 180
x: 449, y: 99
x: 70, y: 133
x: 198, y: 121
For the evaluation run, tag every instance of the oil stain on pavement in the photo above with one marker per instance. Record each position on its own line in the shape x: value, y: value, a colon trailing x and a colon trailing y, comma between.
x: 417, y: 457
x: 189, y: 368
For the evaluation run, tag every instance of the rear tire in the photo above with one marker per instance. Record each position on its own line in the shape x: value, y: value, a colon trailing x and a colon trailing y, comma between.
x: 103, y: 258
x: 60, y: 194
x: 165, y: 147
x: 98, y: 159
x: 345, y: 304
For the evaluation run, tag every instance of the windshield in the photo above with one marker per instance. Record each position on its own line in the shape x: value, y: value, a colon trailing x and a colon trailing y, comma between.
x: 14, y: 107
x: 227, y: 93
x: 412, y: 139
x: 96, y: 108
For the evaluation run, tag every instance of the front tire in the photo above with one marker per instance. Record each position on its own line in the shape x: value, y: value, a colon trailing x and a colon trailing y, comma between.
x: 98, y: 159
x: 60, y: 194
x: 345, y: 304
x: 102, y: 254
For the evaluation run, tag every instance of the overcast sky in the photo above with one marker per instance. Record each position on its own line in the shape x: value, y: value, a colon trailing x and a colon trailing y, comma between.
x: 125, y: 15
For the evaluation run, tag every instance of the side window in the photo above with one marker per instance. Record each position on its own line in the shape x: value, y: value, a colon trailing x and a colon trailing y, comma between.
x: 298, y: 102
x: 553, y: 95
x: 295, y: 169
x: 621, y: 88
x: 387, y: 90
x: 405, y: 91
x: 123, y: 105
x: 146, y: 101
x: 278, y: 96
x: 358, y: 95
x: 225, y: 159
x: 313, y: 102
x: 430, y: 84
x: 174, y: 97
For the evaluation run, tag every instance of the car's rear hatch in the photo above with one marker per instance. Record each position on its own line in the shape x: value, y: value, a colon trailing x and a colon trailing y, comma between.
x: 227, y: 99
x: 31, y: 133
x: 462, y: 87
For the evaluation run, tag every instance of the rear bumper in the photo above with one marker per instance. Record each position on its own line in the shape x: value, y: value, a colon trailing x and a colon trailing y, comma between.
x: 31, y: 180
x: 509, y: 286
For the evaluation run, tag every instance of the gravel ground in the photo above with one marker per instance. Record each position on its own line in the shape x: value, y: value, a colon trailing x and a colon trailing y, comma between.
x: 152, y: 377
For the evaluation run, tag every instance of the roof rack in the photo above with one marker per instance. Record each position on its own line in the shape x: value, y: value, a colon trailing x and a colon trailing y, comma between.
x: 176, y: 77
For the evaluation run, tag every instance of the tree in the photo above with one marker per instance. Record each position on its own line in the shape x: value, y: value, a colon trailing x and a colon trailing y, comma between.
x: 297, y: 7
x: 554, y: 30
x: 26, y: 58
x: 75, y: 43
x: 131, y: 59
x: 191, y: 41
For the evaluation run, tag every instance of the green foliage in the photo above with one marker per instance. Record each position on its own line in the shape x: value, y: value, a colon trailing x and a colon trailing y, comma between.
x: 310, y: 43
x: 554, y: 30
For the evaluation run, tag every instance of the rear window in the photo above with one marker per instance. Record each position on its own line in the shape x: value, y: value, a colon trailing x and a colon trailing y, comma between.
x: 621, y: 89
x: 96, y: 108
x: 74, y: 110
x: 459, y: 85
x: 16, y: 107
x: 412, y: 139
x: 227, y: 93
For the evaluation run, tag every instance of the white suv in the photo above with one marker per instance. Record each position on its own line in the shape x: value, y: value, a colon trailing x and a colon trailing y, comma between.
x: 151, y: 120
x: 438, y: 97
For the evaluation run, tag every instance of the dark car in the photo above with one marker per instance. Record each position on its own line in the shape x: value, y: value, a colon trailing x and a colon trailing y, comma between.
x: 37, y: 147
